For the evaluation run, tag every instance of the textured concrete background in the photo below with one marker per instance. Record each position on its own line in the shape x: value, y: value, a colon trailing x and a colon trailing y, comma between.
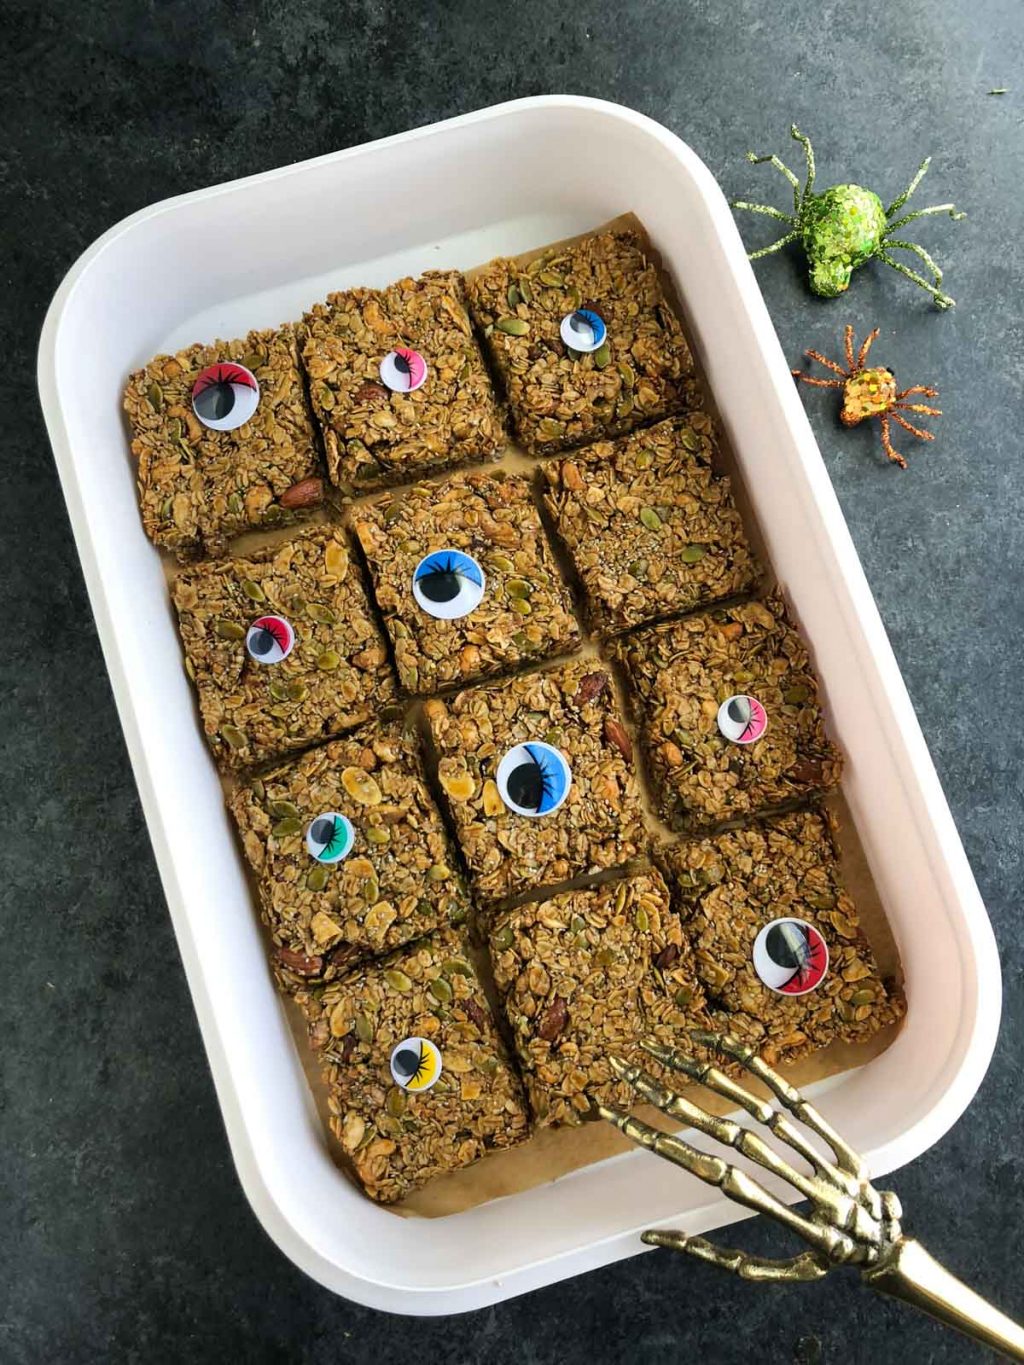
x: 125, y: 1233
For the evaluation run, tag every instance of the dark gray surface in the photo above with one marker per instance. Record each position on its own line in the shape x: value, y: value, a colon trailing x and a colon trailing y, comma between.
x: 126, y: 1235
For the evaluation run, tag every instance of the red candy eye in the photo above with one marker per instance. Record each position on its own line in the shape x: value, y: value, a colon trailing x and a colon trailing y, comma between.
x: 269, y: 640
x: 225, y: 396
x: 403, y: 370
x: 790, y: 956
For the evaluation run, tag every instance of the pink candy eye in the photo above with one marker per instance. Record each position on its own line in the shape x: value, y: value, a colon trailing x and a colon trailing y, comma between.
x: 742, y: 719
x: 403, y: 370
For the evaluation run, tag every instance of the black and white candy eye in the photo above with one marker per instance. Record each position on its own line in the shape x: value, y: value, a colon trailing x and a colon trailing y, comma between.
x: 225, y: 396
x: 533, y: 779
x: 583, y: 330
x: 415, y: 1064
x: 329, y: 837
x: 269, y: 639
x: 790, y: 956
x: 403, y: 370
x: 448, y: 584
x: 742, y: 719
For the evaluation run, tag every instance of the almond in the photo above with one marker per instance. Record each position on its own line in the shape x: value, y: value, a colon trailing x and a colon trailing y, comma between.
x: 305, y: 493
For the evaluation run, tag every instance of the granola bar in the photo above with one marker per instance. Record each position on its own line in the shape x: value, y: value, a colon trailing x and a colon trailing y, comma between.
x: 651, y: 528
x: 730, y: 887
x: 684, y: 673
x: 549, y: 743
x: 475, y: 544
x: 198, y: 486
x: 301, y: 609
x: 397, y: 1138
x: 582, y: 979
x: 375, y: 434
x: 559, y: 396
x: 386, y: 877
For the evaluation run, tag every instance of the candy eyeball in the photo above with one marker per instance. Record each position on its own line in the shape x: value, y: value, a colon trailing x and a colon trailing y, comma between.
x: 403, y: 370
x: 415, y: 1064
x: 742, y: 719
x: 583, y: 330
x: 225, y: 396
x: 533, y: 779
x: 329, y: 837
x: 448, y: 584
x: 269, y: 640
x: 790, y: 956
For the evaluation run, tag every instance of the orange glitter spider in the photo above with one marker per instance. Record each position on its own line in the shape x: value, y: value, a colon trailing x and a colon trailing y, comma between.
x: 872, y: 393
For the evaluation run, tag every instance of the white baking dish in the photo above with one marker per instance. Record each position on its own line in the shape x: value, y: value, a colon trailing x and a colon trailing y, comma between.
x: 257, y: 251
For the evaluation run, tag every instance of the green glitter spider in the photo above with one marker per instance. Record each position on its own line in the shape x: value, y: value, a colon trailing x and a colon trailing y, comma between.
x: 846, y: 226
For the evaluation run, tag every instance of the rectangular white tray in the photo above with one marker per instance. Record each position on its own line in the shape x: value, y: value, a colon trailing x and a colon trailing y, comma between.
x: 257, y: 251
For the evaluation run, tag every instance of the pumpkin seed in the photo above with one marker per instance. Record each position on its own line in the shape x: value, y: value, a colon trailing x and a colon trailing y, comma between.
x: 518, y: 587
x: 683, y: 996
x: 513, y: 327
x: 278, y: 689
x: 643, y: 920
x: 795, y: 695
x: 503, y: 563
x: 286, y: 827
x: 328, y: 661
x: 690, y: 440
x: 395, y: 1102
x: 650, y: 518
x: 520, y: 606
x: 552, y: 279
x: 155, y: 394
x: 229, y: 630
x: 284, y: 810
x: 233, y: 736
x: 235, y: 504
x: 514, y: 297
x: 296, y: 691
x: 174, y: 429
x: 602, y: 356
x: 316, y: 878
x: 693, y: 554
x: 627, y: 373
x: 456, y: 967
x: 378, y: 834
x: 321, y: 614
x: 254, y: 360
x: 440, y: 990
x: 252, y: 590
x: 502, y: 939
x: 397, y: 980
x: 364, y: 1029
x: 438, y: 873
x: 525, y: 290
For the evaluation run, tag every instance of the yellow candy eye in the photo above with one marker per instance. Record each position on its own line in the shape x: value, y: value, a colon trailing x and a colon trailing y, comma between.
x: 415, y: 1064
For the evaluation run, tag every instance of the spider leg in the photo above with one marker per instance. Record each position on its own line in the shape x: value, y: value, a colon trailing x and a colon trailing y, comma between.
x: 775, y: 246
x: 805, y: 142
x: 766, y: 209
x: 733, y: 1182
x: 818, y: 383
x: 725, y: 1131
x: 829, y: 364
x: 806, y: 1266
x: 918, y: 407
x: 918, y: 388
x: 951, y: 209
x: 922, y: 171
x: 888, y: 446
x: 791, y: 1099
x: 869, y: 341
x: 891, y: 242
x: 848, y: 346
x: 942, y: 300
x: 908, y: 426
x: 773, y: 160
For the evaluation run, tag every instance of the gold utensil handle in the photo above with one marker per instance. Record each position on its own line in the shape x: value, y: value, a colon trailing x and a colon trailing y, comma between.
x: 910, y: 1273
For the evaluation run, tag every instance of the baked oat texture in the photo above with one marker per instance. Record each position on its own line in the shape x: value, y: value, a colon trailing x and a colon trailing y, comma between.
x: 583, y: 977
x: 373, y: 436
x: 650, y: 527
x: 680, y: 674
x: 526, y: 611
x: 729, y: 886
x: 198, y: 487
x: 599, y: 825
x: 560, y: 398
x: 336, y: 676
x: 397, y: 1140
x: 398, y: 883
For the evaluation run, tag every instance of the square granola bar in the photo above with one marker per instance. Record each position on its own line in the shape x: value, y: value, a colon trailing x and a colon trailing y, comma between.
x: 398, y: 382
x: 539, y: 778
x: 282, y: 647
x: 650, y: 527
x: 605, y: 290
x: 465, y: 1099
x: 763, y: 979
x: 350, y: 852
x: 582, y: 979
x: 199, y: 486
x: 729, y: 714
x: 465, y: 579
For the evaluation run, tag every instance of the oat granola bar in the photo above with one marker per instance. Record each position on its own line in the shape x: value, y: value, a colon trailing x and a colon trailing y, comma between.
x: 729, y: 887
x: 682, y: 673
x: 524, y: 612
x: 394, y: 879
x: 553, y: 736
x: 650, y: 527
x: 560, y: 397
x: 398, y: 1139
x: 375, y: 435
x: 198, y: 487
x: 335, y: 675
x: 582, y: 977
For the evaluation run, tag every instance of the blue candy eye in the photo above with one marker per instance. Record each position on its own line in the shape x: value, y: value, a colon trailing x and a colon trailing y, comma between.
x: 533, y: 779
x: 330, y: 837
x: 583, y: 330
x: 448, y: 584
